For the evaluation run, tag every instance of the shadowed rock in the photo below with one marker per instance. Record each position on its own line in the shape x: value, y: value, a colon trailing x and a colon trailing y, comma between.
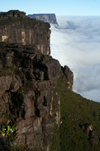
x: 27, y: 79
x: 4, y: 144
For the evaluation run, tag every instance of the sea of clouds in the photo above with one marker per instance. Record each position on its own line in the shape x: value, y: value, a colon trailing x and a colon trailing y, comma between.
x: 76, y: 43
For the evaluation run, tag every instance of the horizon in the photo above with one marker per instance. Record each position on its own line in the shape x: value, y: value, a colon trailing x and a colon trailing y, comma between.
x: 51, y: 13
x: 77, y: 36
x: 63, y: 8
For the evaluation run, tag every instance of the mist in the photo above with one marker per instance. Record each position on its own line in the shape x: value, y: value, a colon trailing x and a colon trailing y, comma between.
x: 76, y: 43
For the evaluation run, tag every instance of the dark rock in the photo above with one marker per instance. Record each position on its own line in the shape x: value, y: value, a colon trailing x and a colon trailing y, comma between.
x: 4, y: 144
x: 28, y: 76
x: 5, y: 82
x: 53, y: 68
x: 16, y: 83
x: 13, y: 13
x: 69, y: 76
x: 87, y: 128
x: 92, y: 134
x: 28, y: 90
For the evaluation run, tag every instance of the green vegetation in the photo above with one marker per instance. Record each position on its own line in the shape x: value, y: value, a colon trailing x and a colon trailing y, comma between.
x: 6, y: 72
x: 56, y: 139
x: 8, y: 131
x: 10, y: 71
x: 75, y: 111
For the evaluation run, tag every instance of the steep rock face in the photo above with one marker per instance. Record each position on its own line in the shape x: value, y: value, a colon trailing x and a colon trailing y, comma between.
x: 15, y: 27
x: 27, y: 82
x: 69, y: 76
x: 50, y: 18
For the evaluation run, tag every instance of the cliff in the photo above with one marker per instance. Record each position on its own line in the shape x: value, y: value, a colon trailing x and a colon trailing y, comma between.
x: 27, y: 82
x: 16, y: 27
x: 50, y: 18
x: 36, y: 94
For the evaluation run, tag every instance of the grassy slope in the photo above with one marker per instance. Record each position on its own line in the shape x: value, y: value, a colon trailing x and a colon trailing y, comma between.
x: 75, y: 111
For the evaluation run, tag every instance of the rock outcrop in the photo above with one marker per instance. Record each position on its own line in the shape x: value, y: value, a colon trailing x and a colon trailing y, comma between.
x: 69, y: 76
x: 92, y: 134
x: 35, y: 91
x: 16, y: 27
x: 27, y: 82
x: 13, y: 14
x: 50, y: 18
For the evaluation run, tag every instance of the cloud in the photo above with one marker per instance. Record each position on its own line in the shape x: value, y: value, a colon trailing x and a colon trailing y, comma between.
x: 76, y: 43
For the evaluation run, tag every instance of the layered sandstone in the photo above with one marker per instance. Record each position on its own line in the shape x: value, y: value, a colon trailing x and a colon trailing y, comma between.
x: 16, y: 27
x: 28, y: 77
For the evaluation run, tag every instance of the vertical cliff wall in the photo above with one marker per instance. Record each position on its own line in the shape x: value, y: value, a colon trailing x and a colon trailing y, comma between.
x: 28, y: 77
x: 15, y: 27
x: 35, y: 92
x: 27, y: 82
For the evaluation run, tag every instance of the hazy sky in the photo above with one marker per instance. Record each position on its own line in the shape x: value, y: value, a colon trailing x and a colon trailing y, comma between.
x: 59, y: 7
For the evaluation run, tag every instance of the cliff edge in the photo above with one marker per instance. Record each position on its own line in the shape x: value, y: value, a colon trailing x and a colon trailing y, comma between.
x: 50, y: 18
x: 16, y: 27
x: 27, y: 82
x: 36, y: 92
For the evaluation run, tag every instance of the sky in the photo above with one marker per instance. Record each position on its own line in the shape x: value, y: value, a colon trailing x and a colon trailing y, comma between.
x: 59, y: 7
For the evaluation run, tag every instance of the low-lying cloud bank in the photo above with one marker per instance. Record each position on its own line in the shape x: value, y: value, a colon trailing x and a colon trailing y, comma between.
x: 76, y: 43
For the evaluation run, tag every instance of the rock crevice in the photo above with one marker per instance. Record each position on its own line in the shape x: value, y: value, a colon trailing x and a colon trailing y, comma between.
x: 28, y: 79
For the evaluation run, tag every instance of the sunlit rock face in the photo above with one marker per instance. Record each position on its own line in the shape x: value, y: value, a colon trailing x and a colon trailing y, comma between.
x: 16, y: 27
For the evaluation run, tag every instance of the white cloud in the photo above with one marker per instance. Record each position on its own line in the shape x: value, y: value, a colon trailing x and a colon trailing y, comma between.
x: 76, y: 43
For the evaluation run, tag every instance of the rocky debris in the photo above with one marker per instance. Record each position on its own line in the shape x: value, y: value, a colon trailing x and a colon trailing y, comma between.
x: 50, y: 18
x: 86, y: 128
x: 28, y: 79
x: 93, y: 135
